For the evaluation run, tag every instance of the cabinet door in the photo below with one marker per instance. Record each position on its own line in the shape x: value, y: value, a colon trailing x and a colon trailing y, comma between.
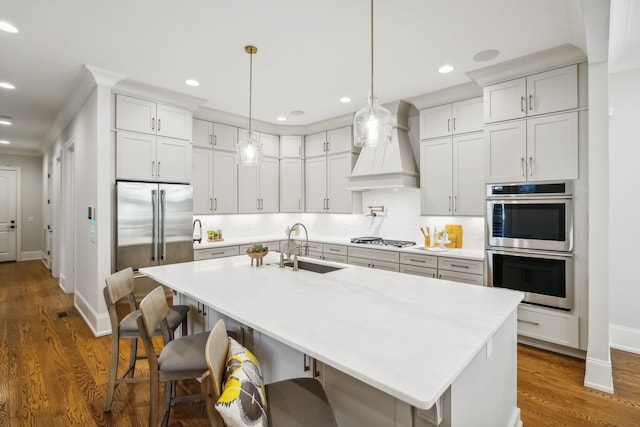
x: 435, y: 122
x: 225, y: 182
x: 270, y: 145
x: 279, y: 361
x: 435, y: 177
x: 555, y: 90
x: 202, y: 181
x: 291, y: 184
x: 135, y: 114
x: 202, y: 133
x: 135, y: 156
x: 248, y: 194
x: 339, y: 140
x: 174, y: 122
x: 468, y: 175
x: 552, y: 147
x: 225, y: 137
x: 338, y: 172
x: 505, y: 152
x: 316, y: 184
x: 291, y: 146
x: 173, y: 160
x: 467, y: 116
x: 504, y: 101
x: 269, y: 185
x: 315, y: 144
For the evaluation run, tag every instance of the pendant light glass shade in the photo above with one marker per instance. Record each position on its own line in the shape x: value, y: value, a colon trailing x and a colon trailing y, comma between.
x: 249, y: 148
x: 372, y: 124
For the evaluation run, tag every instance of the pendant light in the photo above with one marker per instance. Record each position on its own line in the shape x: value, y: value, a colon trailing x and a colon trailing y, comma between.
x: 372, y: 124
x: 249, y: 147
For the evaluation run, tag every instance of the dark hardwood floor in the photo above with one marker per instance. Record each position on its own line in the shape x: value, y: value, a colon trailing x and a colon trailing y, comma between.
x: 53, y: 371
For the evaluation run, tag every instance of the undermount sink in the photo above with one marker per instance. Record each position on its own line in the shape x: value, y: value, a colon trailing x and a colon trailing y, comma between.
x: 316, y: 268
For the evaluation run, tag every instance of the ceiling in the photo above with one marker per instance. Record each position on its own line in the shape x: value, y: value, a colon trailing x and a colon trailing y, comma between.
x: 310, y: 53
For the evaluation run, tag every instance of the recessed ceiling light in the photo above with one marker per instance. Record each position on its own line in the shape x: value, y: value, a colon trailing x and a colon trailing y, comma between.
x: 486, y: 55
x: 6, y: 120
x: 297, y: 113
x: 4, y: 141
x: 345, y: 99
x: 282, y: 119
x: 5, y: 26
x: 445, y: 69
x: 192, y: 82
x: 7, y: 85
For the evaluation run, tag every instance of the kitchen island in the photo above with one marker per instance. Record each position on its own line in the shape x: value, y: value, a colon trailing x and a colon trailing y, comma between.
x: 393, y: 349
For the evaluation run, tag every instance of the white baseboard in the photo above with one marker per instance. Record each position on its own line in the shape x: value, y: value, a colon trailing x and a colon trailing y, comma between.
x: 598, y: 375
x: 100, y: 324
x: 624, y: 338
x: 30, y: 255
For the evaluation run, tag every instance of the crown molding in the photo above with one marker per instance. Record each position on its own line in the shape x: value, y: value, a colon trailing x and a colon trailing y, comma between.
x: 544, y: 60
x: 143, y: 90
x: 446, y: 95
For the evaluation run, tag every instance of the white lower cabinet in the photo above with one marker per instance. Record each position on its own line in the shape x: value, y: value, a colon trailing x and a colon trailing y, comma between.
x: 419, y: 265
x: 548, y: 325
x: 210, y: 253
x: 374, y: 258
x: 461, y: 270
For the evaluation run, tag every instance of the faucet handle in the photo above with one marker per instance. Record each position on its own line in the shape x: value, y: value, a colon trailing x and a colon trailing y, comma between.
x: 295, y: 262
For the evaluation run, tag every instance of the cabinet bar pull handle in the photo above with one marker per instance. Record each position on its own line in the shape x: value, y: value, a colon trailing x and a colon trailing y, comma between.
x: 328, y: 204
x: 328, y: 147
x: 316, y: 373
x: 153, y: 168
x: 521, y: 166
x: 305, y: 365
x: 215, y: 204
x: 153, y: 124
x: 334, y: 249
x: 215, y: 139
x: 258, y: 204
x: 531, y: 102
x: 455, y: 203
x: 459, y: 266
x: 217, y: 253
x: 158, y: 168
x: 522, y: 104
x: 210, y: 204
x: 449, y: 203
x: 529, y: 322
x: 159, y: 125
x: 448, y: 125
x: 530, y: 166
x: 454, y: 123
x: 210, y: 139
x: 417, y: 260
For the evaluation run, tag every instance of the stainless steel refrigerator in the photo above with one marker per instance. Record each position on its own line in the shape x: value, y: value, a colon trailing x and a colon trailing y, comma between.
x: 154, y: 224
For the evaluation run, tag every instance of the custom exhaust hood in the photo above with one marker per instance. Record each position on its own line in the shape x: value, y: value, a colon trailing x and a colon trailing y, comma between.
x: 388, y: 165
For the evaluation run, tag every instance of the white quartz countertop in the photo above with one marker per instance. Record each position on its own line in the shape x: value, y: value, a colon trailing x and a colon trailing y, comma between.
x: 472, y: 254
x: 406, y: 335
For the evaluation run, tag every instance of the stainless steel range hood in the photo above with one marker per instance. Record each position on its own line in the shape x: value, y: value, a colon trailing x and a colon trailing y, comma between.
x: 389, y: 165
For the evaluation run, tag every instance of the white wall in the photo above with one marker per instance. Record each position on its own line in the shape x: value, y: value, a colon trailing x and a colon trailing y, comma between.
x: 624, y: 198
x: 31, y: 203
x: 401, y: 221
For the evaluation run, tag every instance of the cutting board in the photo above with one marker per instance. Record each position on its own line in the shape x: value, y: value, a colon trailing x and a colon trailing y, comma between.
x: 454, y: 231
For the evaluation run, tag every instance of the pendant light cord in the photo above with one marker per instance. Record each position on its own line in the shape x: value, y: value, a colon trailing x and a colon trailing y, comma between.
x: 250, y: 87
x: 371, y: 95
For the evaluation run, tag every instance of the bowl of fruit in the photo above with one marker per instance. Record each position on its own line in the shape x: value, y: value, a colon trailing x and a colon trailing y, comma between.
x: 257, y: 252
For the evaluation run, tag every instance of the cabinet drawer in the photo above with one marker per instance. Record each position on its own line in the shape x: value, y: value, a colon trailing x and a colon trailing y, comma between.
x: 211, y: 253
x: 328, y: 249
x: 461, y: 265
x: 419, y: 260
x: 335, y: 258
x: 314, y: 254
x: 373, y: 263
x: 455, y: 276
x: 548, y: 325
x: 419, y: 271
x: 374, y: 254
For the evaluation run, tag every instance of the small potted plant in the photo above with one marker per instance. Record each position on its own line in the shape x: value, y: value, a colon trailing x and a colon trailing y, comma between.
x: 210, y: 235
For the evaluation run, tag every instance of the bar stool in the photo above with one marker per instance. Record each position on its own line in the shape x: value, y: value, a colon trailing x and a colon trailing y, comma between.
x: 180, y: 359
x: 289, y: 403
x: 121, y: 285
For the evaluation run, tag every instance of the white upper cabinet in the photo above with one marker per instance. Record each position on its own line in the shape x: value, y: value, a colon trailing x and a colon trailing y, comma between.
x: 291, y: 185
x: 150, y: 158
x: 291, y: 146
x: 202, y: 180
x: 538, y: 149
x: 225, y: 182
x: 258, y: 187
x: 144, y: 116
x: 202, y: 133
x: 225, y: 137
x: 330, y: 142
x: 270, y: 143
x: 452, y: 175
x: 452, y: 119
x: 542, y: 93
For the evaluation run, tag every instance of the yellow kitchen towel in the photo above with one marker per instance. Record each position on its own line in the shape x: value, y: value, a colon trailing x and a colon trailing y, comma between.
x: 454, y: 231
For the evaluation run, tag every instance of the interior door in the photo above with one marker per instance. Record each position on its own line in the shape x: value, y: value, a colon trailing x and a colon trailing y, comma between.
x: 8, y: 214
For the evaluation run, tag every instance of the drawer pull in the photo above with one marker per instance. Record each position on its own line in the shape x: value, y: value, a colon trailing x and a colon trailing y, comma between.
x: 459, y: 266
x: 334, y: 249
x: 216, y: 253
x: 417, y: 260
x: 529, y: 322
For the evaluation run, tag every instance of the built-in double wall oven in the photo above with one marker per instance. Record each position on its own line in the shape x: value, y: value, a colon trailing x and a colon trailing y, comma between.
x: 530, y: 241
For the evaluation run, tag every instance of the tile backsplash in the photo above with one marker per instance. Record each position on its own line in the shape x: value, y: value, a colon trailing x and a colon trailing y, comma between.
x: 401, y: 221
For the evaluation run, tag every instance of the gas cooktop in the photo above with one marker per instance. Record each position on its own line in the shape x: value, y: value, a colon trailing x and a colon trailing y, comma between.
x: 379, y: 241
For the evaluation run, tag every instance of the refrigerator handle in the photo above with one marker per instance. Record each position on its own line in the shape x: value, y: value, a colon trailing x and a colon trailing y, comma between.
x: 163, y: 237
x: 154, y: 224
